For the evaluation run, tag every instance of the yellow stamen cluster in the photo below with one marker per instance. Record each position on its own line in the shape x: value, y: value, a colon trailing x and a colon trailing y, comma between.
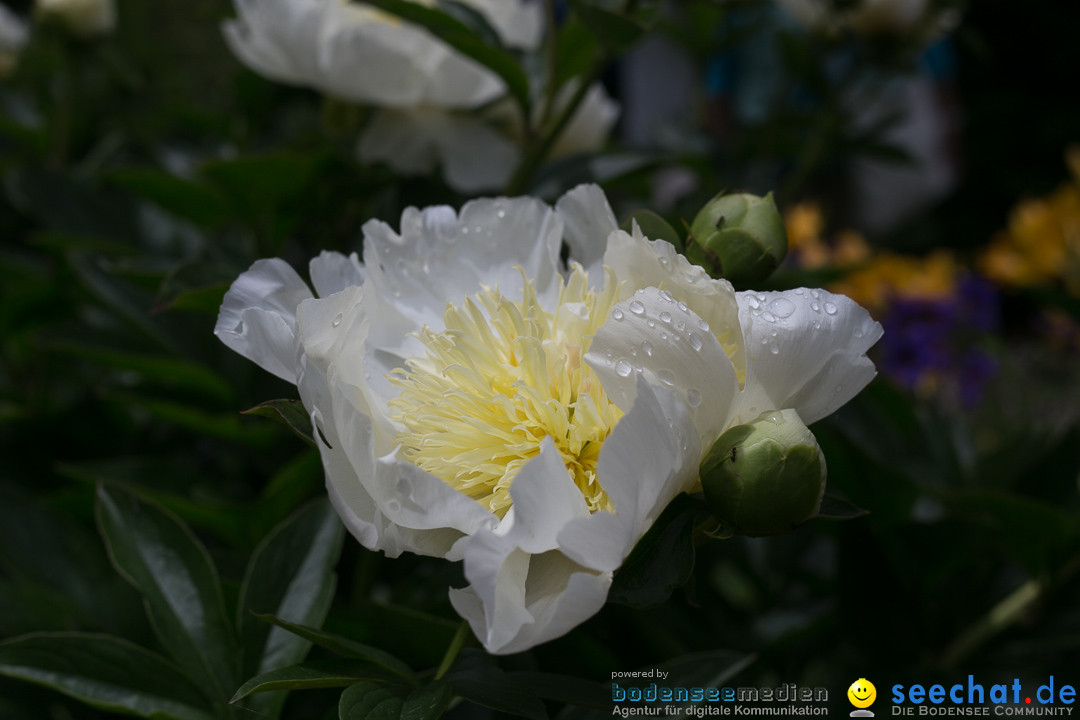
x: 500, y: 378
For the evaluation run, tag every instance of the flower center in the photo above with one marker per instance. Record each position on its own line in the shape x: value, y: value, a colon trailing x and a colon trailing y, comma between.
x: 503, y: 376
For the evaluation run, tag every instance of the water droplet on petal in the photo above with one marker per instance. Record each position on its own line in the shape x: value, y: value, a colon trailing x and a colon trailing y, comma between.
x: 464, y: 231
x: 703, y: 325
x: 815, y: 294
x: 665, y: 295
x: 682, y: 306
x: 665, y: 317
x: 500, y: 213
x: 693, y: 397
x: 637, y: 307
x: 782, y: 307
x: 768, y: 317
x: 666, y: 377
x: 647, y: 347
x: 830, y: 308
x: 774, y: 348
x: 650, y: 323
x: 752, y: 302
x: 663, y: 336
x: 623, y: 368
x: 617, y: 314
x: 815, y: 307
x: 694, y: 340
x: 337, y: 319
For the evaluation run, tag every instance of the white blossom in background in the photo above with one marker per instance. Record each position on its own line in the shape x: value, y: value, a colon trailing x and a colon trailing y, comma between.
x: 85, y: 18
x: 476, y: 400
x: 13, y: 37
x: 359, y: 54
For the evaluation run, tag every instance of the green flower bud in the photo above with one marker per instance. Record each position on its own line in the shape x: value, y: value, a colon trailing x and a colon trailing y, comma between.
x: 738, y: 237
x: 765, y: 477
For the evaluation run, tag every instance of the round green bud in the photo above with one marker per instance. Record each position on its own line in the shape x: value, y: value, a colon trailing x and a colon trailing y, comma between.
x: 765, y: 477
x: 739, y: 237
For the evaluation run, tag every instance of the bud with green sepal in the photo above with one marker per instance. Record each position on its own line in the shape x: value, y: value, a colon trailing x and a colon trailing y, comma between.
x: 739, y: 237
x: 764, y: 477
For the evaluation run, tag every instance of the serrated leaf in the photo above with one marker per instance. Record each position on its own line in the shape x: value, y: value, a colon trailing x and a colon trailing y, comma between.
x: 165, y: 562
x: 663, y: 558
x: 334, y: 672
x: 105, y: 672
x: 459, y: 36
x: 478, y: 679
x: 347, y: 647
x: 291, y: 574
x: 290, y: 412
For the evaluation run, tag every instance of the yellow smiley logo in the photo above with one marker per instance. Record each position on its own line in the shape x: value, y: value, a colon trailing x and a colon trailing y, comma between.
x: 862, y: 693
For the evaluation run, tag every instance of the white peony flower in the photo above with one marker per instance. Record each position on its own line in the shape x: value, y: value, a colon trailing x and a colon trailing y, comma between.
x: 13, y: 37
x: 476, y: 401
x: 81, y: 17
x: 357, y: 53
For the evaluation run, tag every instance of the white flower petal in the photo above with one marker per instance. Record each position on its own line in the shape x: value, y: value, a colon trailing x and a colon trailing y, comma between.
x: 277, y: 38
x: 473, y: 155
x: 589, y: 220
x: 806, y: 350
x: 519, y: 24
x: 640, y: 262
x: 440, y: 258
x: 545, y: 497
x: 258, y: 316
x: 657, y: 336
x: 332, y: 272
x: 650, y: 457
x: 361, y: 54
x: 590, y: 127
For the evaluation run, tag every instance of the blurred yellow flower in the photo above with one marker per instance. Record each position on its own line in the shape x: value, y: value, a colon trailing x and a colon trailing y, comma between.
x: 889, y: 275
x: 1041, y: 244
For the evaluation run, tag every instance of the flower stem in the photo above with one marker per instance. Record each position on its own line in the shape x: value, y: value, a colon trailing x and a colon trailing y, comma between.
x: 453, y: 649
x: 536, y: 154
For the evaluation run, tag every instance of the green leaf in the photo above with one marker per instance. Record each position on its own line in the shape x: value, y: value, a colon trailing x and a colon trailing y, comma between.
x: 171, y: 371
x: 206, y: 300
x: 459, y: 36
x: 185, y: 198
x: 654, y: 227
x: 373, y: 701
x: 663, y: 558
x: 836, y: 506
x: 346, y: 647
x: 290, y: 412
x: 106, y: 672
x: 128, y: 304
x: 266, y: 191
x: 478, y: 679
x: 563, y: 688
x: 161, y: 557
x: 576, y: 50
x: 333, y: 672
x: 616, y: 32
x: 291, y: 574
x: 472, y: 19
